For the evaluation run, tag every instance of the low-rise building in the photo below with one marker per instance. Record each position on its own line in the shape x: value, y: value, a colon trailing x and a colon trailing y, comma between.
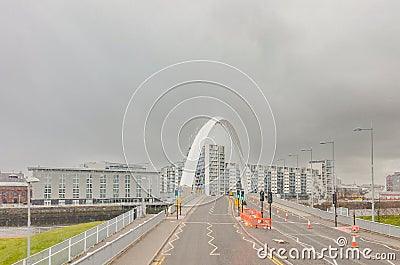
x: 93, y: 184
x: 13, y: 188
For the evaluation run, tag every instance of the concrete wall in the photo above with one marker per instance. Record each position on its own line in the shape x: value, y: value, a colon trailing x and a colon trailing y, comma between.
x: 46, y: 216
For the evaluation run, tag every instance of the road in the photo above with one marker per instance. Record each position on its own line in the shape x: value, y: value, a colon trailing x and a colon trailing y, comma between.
x: 322, y: 234
x: 211, y: 235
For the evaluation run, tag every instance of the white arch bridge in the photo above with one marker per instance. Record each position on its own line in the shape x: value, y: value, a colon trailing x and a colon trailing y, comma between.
x: 189, y: 170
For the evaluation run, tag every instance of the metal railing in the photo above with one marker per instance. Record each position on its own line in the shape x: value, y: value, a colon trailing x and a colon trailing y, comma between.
x: 111, y: 249
x: 386, y: 229
x: 76, y: 245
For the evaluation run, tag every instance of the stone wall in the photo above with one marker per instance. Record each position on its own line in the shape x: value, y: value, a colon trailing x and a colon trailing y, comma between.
x: 48, y: 216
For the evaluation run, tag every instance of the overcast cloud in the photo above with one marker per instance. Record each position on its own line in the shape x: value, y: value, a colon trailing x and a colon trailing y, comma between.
x: 68, y: 69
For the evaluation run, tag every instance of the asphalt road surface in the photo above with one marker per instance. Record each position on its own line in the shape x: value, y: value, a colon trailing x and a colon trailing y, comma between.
x: 211, y: 235
x: 322, y: 234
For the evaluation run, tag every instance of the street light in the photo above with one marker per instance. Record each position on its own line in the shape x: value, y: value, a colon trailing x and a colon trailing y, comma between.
x: 29, y: 180
x: 372, y: 166
x: 312, y: 176
x: 334, y: 188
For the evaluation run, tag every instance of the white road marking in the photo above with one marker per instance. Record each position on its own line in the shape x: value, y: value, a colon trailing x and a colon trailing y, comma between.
x: 378, y: 243
x: 180, y: 230
x: 209, y: 242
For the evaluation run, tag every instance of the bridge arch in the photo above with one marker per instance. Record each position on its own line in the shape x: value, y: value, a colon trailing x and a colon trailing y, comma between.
x: 189, y: 169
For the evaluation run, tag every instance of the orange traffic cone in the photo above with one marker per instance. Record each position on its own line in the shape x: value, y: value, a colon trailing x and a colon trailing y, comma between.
x: 353, y: 241
x: 309, y: 224
x: 286, y: 217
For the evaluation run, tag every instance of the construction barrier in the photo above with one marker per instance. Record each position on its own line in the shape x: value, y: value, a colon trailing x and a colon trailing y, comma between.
x: 252, y: 218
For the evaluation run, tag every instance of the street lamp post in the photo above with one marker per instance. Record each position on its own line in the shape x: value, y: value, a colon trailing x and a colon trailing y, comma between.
x: 372, y: 166
x: 297, y: 168
x: 312, y: 176
x: 29, y: 180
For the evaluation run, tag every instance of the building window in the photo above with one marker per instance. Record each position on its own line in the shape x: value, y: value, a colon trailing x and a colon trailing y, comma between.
x: 89, y: 186
x: 103, y: 186
x: 138, y: 186
x: 127, y: 186
x: 61, y: 187
x: 75, y: 187
x: 47, y: 187
x: 116, y: 186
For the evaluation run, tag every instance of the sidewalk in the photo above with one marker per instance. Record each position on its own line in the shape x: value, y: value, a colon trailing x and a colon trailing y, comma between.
x: 132, y: 225
x: 145, y: 250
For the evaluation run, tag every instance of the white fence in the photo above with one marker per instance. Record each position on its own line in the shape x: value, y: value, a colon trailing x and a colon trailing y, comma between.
x: 385, y: 229
x: 110, y: 250
x: 76, y: 245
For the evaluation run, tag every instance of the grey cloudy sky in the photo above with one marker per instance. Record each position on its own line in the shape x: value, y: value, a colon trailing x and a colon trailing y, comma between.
x: 68, y: 69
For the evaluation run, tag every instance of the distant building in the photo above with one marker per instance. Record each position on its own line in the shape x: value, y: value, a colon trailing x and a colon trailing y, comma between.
x: 170, y: 177
x: 210, y: 176
x: 232, y: 173
x: 289, y: 182
x: 393, y: 182
x: 13, y: 188
x: 389, y: 195
x: 255, y: 177
x: 94, y: 183
x: 324, y: 182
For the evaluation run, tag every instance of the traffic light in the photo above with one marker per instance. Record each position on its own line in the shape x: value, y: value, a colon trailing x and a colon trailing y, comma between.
x: 261, y: 196
x: 242, y: 195
x: 335, y: 198
x: 176, y: 194
x: 238, y: 193
x: 269, y: 197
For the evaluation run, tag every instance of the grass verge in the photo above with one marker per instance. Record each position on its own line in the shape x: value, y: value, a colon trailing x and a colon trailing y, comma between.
x: 14, y: 249
x: 387, y: 219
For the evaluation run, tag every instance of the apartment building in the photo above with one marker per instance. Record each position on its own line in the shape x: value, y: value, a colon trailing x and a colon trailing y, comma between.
x: 94, y: 184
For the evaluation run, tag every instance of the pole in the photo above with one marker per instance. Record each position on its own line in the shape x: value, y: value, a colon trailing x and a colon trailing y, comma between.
x: 335, y: 206
x: 312, y: 182
x: 177, y: 210
x: 372, y: 173
x: 270, y: 215
x: 262, y: 210
x: 334, y: 183
x: 379, y: 208
x: 238, y: 203
x: 28, y: 259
